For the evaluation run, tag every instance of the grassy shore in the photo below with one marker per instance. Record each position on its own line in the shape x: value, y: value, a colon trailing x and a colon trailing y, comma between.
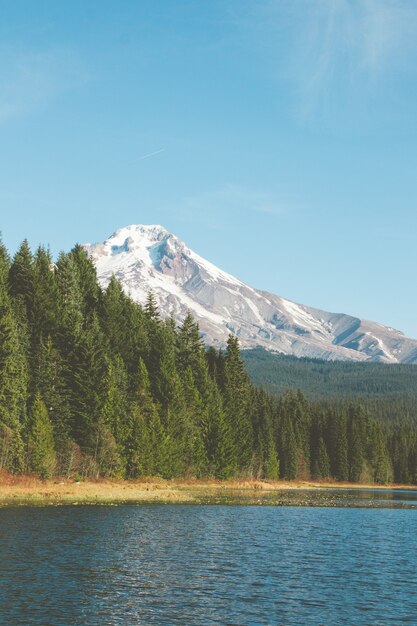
x: 29, y: 490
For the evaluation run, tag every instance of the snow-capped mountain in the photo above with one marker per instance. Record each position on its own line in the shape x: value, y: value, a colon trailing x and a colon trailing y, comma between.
x: 147, y: 258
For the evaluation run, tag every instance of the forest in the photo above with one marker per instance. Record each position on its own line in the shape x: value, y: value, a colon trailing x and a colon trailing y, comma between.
x: 93, y: 384
x: 388, y: 390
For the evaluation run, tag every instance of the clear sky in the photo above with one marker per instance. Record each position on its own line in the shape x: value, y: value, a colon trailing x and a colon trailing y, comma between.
x: 278, y: 138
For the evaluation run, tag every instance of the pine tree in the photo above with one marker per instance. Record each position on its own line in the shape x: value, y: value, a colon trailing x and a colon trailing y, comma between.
x: 266, y: 463
x: 191, y: 353
x: 146, y: 448
x: 115, y: 411
x: 194, y: 425
x: 219, y: 437
x: 380, y: 462
x: 112, y: 315
x: 356, y: 426
x: 139, y: 454
x: 70, y: 304
x: 151, y: 308
x: 175, y: 418
x: 48, y: 369
x: 162, y: 364
x: 270, y: 465
x: 90, y: 291
x: 237, y: 397
x: 323, y: 461
x: 87, y: 369
x: 287, y: 447
x: 136, y: 343
x: 107, y: 460
x: 45, y: 297
x: 41, y: 447
x: 13, y: 379
x: 338, y: 447
x: 21, y: 279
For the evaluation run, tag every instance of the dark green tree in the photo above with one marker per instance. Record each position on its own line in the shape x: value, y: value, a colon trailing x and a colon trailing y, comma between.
x: 237, y: 406
x: 13, y: 379
x: 21, y: 279
x: 41, y: 446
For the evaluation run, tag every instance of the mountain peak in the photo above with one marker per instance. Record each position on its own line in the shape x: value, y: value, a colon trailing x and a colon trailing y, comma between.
x: 151, y: 232
x: 145, y: 257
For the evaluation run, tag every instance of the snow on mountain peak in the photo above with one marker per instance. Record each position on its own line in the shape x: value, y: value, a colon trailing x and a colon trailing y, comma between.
x: 149, y: 257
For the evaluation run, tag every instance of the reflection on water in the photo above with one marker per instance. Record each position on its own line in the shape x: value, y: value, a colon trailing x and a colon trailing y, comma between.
x: 372, y: 498
x: 162, y: 564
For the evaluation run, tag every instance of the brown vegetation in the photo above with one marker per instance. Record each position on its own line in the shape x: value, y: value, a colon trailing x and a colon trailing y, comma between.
x: 29, y: 489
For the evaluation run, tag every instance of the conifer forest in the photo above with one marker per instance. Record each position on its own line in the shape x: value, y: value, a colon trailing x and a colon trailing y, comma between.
x: 93, y: 384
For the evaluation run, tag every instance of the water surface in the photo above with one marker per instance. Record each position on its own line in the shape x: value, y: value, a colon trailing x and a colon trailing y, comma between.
x: 164, y: 564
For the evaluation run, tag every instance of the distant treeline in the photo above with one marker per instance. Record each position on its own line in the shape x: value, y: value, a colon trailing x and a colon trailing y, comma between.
x: 93, y: 384
x: 388, y: 391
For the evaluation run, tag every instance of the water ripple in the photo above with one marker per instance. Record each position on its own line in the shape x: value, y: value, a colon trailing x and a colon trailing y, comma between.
x: 207, y: 565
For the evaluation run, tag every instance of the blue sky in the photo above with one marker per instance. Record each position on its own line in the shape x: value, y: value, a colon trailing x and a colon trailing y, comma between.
x: 277, y: 138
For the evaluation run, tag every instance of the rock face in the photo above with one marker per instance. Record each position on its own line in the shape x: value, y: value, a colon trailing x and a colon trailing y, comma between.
x: 147, y: 258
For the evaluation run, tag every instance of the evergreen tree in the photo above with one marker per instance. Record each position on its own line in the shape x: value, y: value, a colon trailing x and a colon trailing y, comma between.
x: 124, y: 326
x: 219, y: 438
x: 42, y: 458
x: 147, y: 442
x: 356, y: 438
x: 90, y: 291
x: 13, y: 379
x: 338, y: 447
x: 380, y: 462
x: 236, y: 406
x: 191, y: 353
x: 266, y: 463
x: 139, y: 453
x: 70, y: 310
x: 112, y: 316
x: 287, y: 447
x: 323, y: 461
x: 195, y: 421
x: 48, y: 369
x: 45, y: 297
x: 87, y: 368
x: 115, y: 408
x: 21, y: 279
x: 294, y: 435
x: 106, y: 459
x: 151, y: 308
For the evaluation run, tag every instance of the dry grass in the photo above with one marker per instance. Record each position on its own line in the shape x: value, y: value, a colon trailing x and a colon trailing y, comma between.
x: 31, y: 490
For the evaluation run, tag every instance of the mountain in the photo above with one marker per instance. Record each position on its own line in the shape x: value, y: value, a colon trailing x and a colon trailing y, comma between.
x: 145, y: 258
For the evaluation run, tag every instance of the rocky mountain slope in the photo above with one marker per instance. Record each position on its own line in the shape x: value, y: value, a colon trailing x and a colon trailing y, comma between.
x: 147, y: 258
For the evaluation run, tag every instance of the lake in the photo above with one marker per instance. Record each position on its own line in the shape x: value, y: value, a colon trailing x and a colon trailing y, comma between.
x: 185, y: 564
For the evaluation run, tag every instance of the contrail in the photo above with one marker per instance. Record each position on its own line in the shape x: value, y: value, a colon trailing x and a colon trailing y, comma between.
x: 146, y: 156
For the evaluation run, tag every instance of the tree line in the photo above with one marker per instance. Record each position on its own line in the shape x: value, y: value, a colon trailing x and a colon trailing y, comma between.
x: 387, y: 389
x: 94, y: 384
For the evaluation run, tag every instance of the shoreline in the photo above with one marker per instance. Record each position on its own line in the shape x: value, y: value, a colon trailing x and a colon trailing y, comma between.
x: 30, y: 490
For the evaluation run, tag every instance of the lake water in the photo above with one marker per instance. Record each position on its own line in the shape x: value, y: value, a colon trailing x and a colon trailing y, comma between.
x: 184, y: 564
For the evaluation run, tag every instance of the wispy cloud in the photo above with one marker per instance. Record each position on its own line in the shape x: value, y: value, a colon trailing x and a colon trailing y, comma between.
x: 335, y: 47
x: 351, y: 46
x: 29, y: 79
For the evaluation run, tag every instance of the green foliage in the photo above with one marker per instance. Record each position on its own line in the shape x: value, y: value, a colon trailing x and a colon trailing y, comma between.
x: 115, y: 390
x: 13, y: 379
x: 21, y: 279
x: 44, y: 313
x: 387, y: 391
x: 237, y: 406
x: 41, y: 446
